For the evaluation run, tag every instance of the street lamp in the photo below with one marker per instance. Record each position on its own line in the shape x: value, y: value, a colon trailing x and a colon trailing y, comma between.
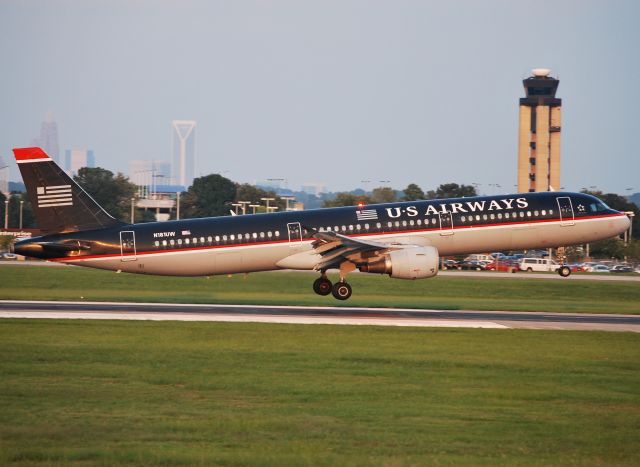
x: 236, y: 205
x: 254, y: 206
x: 244, y: 206
x: 21, y: 206
x: 6, y: 214
x: 133, y: 201
x: 266, y: 200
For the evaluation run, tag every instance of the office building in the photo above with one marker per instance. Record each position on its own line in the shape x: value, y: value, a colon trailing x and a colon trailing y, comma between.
x: 148, y: 175
x: 539, y: 134
x: 4, y: 177
x: 48, y: 139
x: 75, y: 159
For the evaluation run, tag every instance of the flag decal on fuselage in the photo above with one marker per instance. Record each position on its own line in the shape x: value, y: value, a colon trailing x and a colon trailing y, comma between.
x: 51, y: 196
x: 367, y: 215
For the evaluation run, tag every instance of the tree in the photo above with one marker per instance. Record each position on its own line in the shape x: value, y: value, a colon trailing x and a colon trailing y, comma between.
x: 210, y: 195
x: 28, y: 219
x: 452, y: 190
x: 247, y: 192
x: 413, y: 193
x: 113, y: 193
x: 346, y: 199
x: 383, y: 195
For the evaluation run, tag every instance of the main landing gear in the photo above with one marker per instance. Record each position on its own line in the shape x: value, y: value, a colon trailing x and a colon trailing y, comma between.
x: 564, y: 271
x: 340, y: 290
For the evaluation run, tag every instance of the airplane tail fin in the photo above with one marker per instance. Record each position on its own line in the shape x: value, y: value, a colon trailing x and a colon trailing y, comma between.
x: 59, y: 203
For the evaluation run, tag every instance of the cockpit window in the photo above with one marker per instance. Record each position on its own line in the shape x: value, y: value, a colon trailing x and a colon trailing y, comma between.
x: 598, y: 206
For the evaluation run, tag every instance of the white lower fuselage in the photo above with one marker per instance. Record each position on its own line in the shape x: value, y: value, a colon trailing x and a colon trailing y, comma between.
x: 265, y: 256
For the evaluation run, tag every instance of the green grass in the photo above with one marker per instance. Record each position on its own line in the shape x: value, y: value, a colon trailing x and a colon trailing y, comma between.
x: 150, y: 393
x: 294, y: 288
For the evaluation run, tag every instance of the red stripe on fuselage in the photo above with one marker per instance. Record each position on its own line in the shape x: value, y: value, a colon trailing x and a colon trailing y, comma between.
x: 369, y: 234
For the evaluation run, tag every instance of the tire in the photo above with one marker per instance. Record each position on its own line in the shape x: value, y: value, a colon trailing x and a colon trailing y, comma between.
x: 564, y: 271
x: 322, y: 286
x: 341, y: 290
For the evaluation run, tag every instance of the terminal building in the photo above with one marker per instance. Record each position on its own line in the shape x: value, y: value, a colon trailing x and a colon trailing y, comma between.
x: 539, y: 134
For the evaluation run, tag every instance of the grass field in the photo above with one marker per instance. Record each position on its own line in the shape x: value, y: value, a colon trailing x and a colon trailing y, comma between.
x: 105, y: 393
x: 294, y: 288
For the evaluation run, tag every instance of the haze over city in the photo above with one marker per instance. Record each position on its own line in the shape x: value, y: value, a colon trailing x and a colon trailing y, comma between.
x: 336, y: 92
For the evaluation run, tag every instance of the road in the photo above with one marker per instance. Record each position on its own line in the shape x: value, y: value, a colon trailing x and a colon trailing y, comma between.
x: 319, y: 315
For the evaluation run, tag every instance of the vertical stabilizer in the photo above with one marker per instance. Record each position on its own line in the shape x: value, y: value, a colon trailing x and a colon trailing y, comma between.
x: 59, y: 203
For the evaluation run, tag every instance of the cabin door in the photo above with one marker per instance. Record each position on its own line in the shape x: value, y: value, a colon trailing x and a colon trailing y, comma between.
x: 127, y: 245
x: 566, y: 211
x: 446, y: 223
x: 295, y: 233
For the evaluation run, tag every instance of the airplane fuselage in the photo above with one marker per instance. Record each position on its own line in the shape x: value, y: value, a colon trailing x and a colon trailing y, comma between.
x: 262, y: 242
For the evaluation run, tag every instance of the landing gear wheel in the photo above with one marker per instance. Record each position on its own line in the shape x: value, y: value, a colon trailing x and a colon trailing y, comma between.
x: 322, y: 286
x: 564, y: 271
x: 341, y: 290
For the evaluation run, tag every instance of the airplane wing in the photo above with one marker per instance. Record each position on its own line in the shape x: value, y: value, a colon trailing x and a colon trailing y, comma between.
x: 334, y: 249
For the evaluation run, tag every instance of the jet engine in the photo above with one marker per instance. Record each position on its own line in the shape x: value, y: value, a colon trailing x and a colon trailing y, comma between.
x: 408, y: 263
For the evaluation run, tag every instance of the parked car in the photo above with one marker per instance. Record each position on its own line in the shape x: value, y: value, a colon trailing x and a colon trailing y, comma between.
x: 472, y: 265
x: 621, y: 268
x: 538, y: 265
x: 9, y: 256
x: 449, y: 264
x: 576, y: 267
x: 508, y: 266
x: 600, y: 268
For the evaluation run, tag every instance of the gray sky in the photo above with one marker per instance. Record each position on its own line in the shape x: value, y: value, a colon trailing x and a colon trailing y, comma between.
x: 332, y: 91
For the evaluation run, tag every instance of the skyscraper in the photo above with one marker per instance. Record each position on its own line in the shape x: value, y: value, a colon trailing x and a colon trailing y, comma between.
x: 75, y: 159
x: 183, y: 134
x: 48, y: 139
x: 539, y: 134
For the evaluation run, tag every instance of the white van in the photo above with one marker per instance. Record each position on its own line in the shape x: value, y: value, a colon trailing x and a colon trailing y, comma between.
x: 538, y: 265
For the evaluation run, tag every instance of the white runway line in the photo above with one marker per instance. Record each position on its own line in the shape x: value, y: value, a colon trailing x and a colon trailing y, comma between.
x: 276, y: 319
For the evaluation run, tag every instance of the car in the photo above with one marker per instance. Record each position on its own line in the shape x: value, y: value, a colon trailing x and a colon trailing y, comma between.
x: 9, y: 256
x: 472, y: 265
x: 508, y: 266
x: 449, y: 264
x: 600, y: 268
x: 621, y: 268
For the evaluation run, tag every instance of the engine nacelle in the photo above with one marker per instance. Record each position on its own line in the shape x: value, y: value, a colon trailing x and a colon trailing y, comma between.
x: 409, y: 263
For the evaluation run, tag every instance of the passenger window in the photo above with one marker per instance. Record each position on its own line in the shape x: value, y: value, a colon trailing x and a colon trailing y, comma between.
x: 179, y: 241
x: 277, y: 233
x: 528, y: 213
x: 224, y: 237
x: 544, y: 212
x: 186, y: 241
x: 419, y: 222
x: 493, y: 216
x: 269, y: 234
x: 389, y: 224
x: 232, y: 237
x: 536, y: 213
x: 477, y: 217
x: 499, y: 215
x: 404, y: 223
x: 350, y: 227
x: 397, y: 223
x: 202, y: 239
x: 164, y: 243
x: 194, y: 241
x: 209, y: 239
x: 217, y: 238
x: 506, y: 215
x: 172, y: 242
x: 484, y: 217
x: 157, y: 243
x: 255, y: 235
x: 411, y: 222
x: 358, y: 227
x: 521, y: 214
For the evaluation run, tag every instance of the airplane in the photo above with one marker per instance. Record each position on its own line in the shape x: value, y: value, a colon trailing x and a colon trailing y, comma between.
x: 404, y: 239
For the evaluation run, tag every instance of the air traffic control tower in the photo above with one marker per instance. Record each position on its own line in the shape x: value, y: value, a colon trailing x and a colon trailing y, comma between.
x: 539, y: 134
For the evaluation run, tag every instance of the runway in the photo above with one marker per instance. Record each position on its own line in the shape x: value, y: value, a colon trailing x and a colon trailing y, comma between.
x: 319, y: 315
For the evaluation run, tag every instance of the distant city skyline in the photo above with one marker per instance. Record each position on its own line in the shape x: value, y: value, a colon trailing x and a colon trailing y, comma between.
x: 410, y: 91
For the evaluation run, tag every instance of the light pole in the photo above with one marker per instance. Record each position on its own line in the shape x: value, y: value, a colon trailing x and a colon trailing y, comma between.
x: 244, y: 206
x: 6, y: 214
x: 21, y: 206
x: 133, y: 201
x: 254, y: 206
x: 236, y: 205
x: 266, y: 200
x: 178, y: 206
x: 272, y: 208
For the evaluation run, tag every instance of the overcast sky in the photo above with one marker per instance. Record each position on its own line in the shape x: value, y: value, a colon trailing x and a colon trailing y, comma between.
x: 330, y: 91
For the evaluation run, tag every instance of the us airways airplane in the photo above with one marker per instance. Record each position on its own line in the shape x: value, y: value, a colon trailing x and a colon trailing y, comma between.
x: 403, y: 240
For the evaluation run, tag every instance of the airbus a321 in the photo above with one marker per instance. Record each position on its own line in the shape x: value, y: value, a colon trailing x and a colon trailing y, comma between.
x: 403, y: 240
